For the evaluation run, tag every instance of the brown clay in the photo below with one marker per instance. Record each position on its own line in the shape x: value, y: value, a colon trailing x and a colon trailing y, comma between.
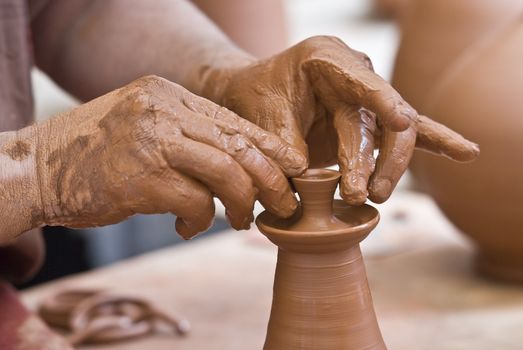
x: 95, y: 316
x: 149, y: 147
x: 295, y: 94
x: 459, y: 62
x: 321, y: 296
x: 323, y: 98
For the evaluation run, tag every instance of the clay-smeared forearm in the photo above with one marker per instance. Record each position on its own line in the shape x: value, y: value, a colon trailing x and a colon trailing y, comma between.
x: 91, y: 47
x: 20, y: 201
x: 149, y: 147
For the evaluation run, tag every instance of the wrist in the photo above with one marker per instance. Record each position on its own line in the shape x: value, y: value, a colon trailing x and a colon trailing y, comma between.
x: 210, y: 79
x: 20, y: 199
x: 53, y: 167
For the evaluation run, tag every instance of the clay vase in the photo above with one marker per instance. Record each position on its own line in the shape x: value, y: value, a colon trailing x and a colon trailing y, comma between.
x: 460, y: 62
x: 321, y: 299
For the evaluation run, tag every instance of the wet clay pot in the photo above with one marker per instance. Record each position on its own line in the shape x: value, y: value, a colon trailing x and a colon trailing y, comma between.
x: 321, y: 297
x: 460, y: 62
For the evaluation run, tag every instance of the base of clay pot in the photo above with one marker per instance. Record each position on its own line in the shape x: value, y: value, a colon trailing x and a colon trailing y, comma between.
x: 500, y: 268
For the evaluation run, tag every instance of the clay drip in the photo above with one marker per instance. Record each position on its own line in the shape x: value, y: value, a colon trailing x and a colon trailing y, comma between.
x: 321, y: 296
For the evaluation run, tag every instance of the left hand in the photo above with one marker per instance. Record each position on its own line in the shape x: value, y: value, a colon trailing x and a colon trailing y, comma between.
x: 324, y: 98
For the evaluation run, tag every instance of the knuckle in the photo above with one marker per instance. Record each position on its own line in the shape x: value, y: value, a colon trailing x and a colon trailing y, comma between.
x: 146, y: 88
x: 150, y: 80
x: 367, y: 62
x: 323, y: 39
x: 316, y: 44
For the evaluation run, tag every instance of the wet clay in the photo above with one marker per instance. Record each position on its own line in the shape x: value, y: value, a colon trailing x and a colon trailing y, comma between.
x: 471, y: 83
x: 321, y: 297
x: 149, y: 147
x: 324, y: 98
x: 153, y: 147
x: 95, y: 316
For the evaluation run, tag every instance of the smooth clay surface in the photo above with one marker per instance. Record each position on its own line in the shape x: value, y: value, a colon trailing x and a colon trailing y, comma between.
x: 321, y: 298
x: 460, y: 63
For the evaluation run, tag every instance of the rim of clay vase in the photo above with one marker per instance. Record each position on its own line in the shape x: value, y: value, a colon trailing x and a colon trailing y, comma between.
x: 370, y: 224
x: 322, y: 175
x: 318, y: 175
x: 319, y: 242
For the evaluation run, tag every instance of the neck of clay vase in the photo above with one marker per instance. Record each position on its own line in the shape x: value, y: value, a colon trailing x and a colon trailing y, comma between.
x: 321, y: 302
x: 316, y: 191
x: 316, y: 209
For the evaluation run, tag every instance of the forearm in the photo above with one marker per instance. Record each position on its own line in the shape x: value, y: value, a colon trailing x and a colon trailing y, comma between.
x: 20, y: 203
x: 108, y: 43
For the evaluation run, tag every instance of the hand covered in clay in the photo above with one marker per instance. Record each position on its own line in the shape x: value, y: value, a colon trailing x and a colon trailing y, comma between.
x: 323, y: 98
x: 153, y: 147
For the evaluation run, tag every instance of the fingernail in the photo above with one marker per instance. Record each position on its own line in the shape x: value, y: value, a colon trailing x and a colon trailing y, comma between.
x: 468, y: 155
x: 380, y: 190
x: 183, y: 229
x: 475, y: 150
x: 354, y: 190
x: 242, y: 223
x: 296, y: 162
x: 287, y: 206
x: 408, y: 111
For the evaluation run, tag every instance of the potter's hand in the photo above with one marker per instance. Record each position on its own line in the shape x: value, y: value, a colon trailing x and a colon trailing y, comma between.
x: 153, y: 147
x: 323, y: 94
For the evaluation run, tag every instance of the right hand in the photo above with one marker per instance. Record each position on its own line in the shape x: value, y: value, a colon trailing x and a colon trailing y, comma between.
x: 153, y: 147
x: 325, y: 99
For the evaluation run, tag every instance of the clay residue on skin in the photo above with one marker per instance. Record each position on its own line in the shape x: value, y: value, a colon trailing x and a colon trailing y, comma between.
x: 450, y: 144
x: 153, y: 147
x: 100, y: 317
x: 302, y: 93
x: 19, y: 151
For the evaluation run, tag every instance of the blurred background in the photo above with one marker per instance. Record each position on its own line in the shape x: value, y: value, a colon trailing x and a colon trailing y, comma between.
x: 268, y: 27
x: 457, y: 61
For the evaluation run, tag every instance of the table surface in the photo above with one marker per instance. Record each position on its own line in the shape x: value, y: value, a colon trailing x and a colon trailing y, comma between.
x: 420, y: 271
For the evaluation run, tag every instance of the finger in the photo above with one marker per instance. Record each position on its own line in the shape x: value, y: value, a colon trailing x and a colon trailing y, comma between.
x: 188, y: 199
x: 274, y: 191
x: 355, y: 128
x: 437, y: 138
x: 188, y: 224
x: 219, y: 172
x: 395, y: 152
x: 351, y: 81
x: 288, y: 149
